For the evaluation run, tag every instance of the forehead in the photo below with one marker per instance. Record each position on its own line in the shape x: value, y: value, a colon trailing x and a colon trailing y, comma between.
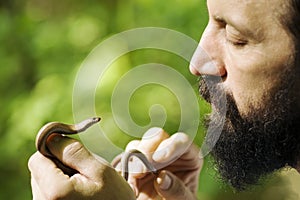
x: 254, y: 14
x: 258, y: 9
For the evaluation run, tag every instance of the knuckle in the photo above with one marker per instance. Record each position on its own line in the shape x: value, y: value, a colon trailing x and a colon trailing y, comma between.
x: 75, y: 150
x: 132, y: 145
x: 155, y: 133
x: 33, y: 161
x: 182, y: 137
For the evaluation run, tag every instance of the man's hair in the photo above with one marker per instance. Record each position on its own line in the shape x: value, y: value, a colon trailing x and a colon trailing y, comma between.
x: 291, y: 21
x: 294, y: 24
x: 294, y: 28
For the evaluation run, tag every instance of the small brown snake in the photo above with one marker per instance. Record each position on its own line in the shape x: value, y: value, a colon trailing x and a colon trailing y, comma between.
x: 126, y: 158
x: 69, y: 129
x: 63, y: 129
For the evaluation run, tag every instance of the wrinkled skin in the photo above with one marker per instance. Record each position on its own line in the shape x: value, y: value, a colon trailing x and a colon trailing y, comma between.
x: 244, y: 44
x: 96, y: 179
x: 174, y: 156
x: 247, y: 45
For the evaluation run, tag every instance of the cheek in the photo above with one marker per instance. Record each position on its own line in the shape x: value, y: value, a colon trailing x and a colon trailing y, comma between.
x: 251, y: 75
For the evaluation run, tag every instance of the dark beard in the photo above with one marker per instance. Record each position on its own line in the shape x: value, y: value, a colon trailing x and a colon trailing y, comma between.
x: 251, y: 147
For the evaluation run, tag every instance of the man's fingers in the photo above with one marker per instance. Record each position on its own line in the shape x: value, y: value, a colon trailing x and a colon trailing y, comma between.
x: 39, y: 164
x: 173, y: 147
x: 41, y: 169
x: 74, y: 155
x: 36, y: 192
x: 169, y: 186
x: 151, y: 140
x: 132, y: 145
x: 147, y: 145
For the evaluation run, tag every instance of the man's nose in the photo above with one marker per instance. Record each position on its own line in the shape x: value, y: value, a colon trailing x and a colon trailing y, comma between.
x: 208, y: 57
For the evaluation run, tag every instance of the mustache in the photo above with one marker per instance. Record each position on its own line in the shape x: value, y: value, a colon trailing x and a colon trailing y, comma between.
x: 224, y: 108
x: 212, y: 90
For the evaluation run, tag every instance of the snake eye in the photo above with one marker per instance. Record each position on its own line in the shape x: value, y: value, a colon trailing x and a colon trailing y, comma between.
x: 96, y: 119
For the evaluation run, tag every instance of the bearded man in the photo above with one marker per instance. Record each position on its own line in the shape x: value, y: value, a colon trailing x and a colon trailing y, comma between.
x: 252, y: 46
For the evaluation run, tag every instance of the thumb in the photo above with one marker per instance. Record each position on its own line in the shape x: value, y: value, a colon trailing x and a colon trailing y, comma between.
x: 170, y: 186
x: 73, y: 154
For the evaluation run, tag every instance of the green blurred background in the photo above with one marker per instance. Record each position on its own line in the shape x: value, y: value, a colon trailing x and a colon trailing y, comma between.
x: 43, y: 43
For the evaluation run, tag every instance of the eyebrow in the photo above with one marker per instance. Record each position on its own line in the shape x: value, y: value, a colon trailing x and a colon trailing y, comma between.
x: 257, y: 35
x: 219, y: 19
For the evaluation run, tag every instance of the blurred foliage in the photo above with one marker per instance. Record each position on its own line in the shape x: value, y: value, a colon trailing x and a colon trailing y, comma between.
x: 43, y: 43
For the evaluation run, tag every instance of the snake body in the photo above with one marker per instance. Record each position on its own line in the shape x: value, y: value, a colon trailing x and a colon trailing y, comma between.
x: 126, y: 158
x: 63, y: 129
x: 69, y: 129
x: 60, y: 128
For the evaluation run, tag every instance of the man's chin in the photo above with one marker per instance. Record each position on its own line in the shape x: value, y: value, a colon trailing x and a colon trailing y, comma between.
x: 253, y: 147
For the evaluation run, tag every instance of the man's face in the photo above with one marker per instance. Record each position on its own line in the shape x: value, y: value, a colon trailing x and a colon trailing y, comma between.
x: 245, y: 44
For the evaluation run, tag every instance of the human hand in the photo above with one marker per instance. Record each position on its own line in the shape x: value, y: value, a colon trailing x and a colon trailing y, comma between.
x: 175, y: 157
x: 95, y: 178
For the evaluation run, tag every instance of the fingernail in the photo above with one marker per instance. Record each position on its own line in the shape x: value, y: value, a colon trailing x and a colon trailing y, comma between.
x: 164, y: 181
x: 152, y: 132
x: 159, y: 155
